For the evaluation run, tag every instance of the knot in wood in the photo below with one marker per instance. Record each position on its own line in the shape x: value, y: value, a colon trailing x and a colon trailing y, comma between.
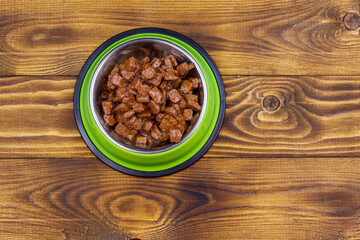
x: 271, y: 103
x: 352, y: 21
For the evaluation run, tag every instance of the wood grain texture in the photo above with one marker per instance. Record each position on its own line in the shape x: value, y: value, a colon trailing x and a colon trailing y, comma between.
x: 236, y: 198
x: 318, y: 116
x: 244, y: 37
x: 37, y: 119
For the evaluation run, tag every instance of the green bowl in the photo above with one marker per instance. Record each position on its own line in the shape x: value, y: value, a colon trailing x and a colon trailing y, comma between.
x: 148, y: 163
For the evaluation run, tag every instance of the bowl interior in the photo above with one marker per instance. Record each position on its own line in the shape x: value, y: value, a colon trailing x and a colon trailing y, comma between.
x: 139, y: 49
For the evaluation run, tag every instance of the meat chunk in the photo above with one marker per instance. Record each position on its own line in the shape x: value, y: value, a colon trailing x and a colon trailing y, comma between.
x: 142, y: 97
x: 182, y: 103
x: 121, y: 93
x: 195, y: 82
x: 107, y: 107
x: 156, y: 95
x: 110, y: 120
x: 174, y: 96
x: 186, y: 87
x: 170, y: 61
x: 194, y: 106
x: 175, y: 135
x: 159, y: 117
x: 171, y: 74
x: 188, y: 113
x: 145, y: 60
x: 170, y: 111
x: 176, y: 107
x: 184, y: 68
x: 129, y: 113
x: 147, y: 126
x: 138, y: 124
x: 191, y: 98
x: 143, y: 88
x: 145, y: 115
x: 155, y: 63
x: 122, y: 107
x: 129, y: 100
x: 138, y: 107
x: 156, y: 80
x: 154, y: 107
x: 156, y: 133
x: 127, y: 74
x: 125, y: 132
x: 130, y: 64
x: 148, y: 73
x: 116, y: 80
x: 141, y: 140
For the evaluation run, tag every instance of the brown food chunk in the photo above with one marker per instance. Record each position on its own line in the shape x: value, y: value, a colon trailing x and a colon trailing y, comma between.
x: 176, y: 83
x: 176, y: 107
x: 143, y: 88
x: 141, y: 140
x: 127, y: 74
x: 156, y: 133
x: 155, y: 63
x: 138, y: 107
x: 145, y: 60
x: 142, y: 97
x: 129, y: 113
x: 129, y: 122
x: 188, y: 113
x: 116, y: 80
x: 159, y: 117
x: 154, y: 107
x: 156, y: 95
x: 171, y: 74
x: 182, y: 103
x: 180, y: 123
x: 149, y: 73
x: 107, y: 107
x: 191, y: 98
x: 121, y: 93
x: 156, y: 80
x: 174, y: 96
x: 146, y: 114
x: 184, y: 68
x: 175, y: 135
x: 125, y: 132
x: 110, y: 120
x: 138, y: 124
x: 129, y: 100
x: 186, y: 86
x: 110, y: 86
x: 147, y: 126
x: 167, y: 122
x: 195, y: 82
x: 194, y: 106
x: 122, y: 107
x: 170, y: 111
x: 170, y: 61
x: 130, y: 64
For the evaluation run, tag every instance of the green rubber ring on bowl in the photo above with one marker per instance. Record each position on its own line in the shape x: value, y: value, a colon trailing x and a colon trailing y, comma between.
x: 159, y: 161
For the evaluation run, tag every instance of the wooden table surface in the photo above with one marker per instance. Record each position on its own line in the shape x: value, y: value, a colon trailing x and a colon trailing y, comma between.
x: 292, y: 173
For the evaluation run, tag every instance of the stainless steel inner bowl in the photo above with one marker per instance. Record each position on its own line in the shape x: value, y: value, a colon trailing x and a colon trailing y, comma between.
x: 139, y: 49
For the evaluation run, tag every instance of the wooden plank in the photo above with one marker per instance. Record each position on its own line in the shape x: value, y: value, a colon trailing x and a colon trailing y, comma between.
x: 244, y: 37
x: 318, y: 116
x: 236, y: 198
